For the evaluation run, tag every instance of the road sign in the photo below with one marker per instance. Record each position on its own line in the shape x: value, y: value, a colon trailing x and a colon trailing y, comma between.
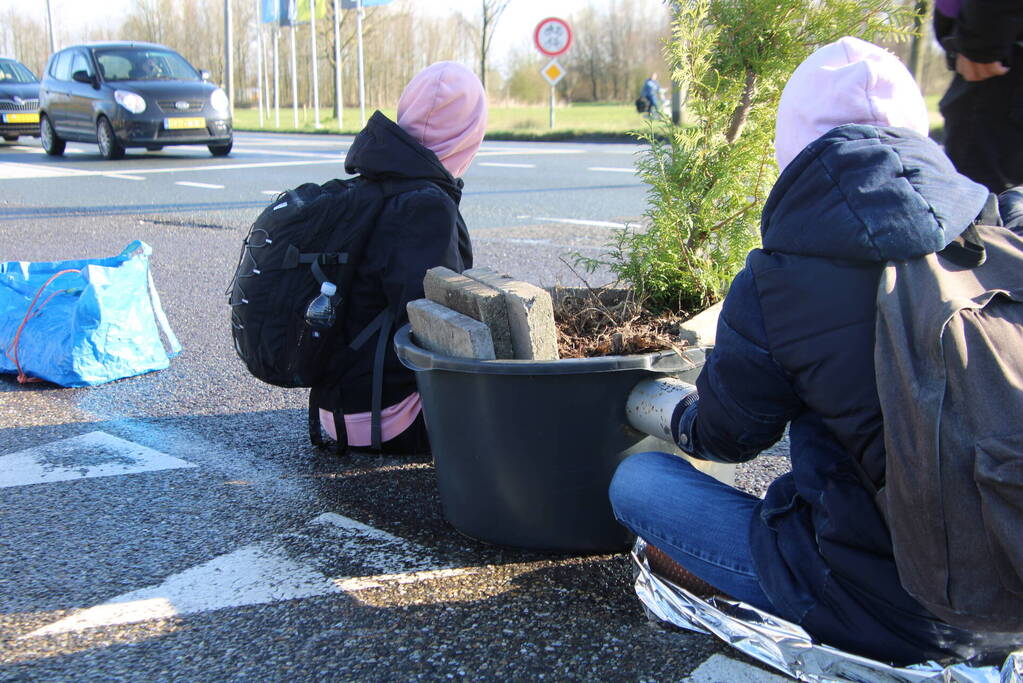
x: 552, y: 36
x: 553, y: 72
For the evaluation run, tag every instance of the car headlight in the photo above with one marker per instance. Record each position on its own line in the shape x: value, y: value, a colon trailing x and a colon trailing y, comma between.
x: 131, y: 101
x: 218, y: 100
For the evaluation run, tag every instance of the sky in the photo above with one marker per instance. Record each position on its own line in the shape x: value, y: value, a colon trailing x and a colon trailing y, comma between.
x: 514, y: 29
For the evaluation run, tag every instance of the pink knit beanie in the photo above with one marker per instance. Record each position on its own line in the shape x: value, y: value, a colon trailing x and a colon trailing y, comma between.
x: 848, y: 81
x: 445, y: 109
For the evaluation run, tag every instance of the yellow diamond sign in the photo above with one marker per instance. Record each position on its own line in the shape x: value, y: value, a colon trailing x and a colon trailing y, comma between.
x: 553, y: 72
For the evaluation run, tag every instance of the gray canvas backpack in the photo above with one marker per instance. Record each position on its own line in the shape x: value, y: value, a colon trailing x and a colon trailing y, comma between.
x: 949, y: 365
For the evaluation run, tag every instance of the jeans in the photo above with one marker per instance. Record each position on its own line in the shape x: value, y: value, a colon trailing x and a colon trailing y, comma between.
x: 696, y: 520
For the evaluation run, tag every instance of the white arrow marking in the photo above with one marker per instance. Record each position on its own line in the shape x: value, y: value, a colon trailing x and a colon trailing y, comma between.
x: 272, y: 571
x: 96, y: 454
x: 721, y: 669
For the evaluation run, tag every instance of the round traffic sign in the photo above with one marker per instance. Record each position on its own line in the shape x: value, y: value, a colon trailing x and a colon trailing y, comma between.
x: 552, y: 36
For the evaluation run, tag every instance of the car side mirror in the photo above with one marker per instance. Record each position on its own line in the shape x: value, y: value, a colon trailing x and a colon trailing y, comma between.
x: 82, y: 76
x: 204, y: 74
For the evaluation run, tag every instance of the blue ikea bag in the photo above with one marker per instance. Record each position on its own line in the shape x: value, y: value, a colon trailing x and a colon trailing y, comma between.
x: 85, y: 322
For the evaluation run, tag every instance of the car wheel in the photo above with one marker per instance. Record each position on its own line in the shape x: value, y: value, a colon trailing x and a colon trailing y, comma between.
x: 52, y: 144
x: 221, y: 150
x: 11, y: 138
x: 154, y: 148
x: 109, y: 147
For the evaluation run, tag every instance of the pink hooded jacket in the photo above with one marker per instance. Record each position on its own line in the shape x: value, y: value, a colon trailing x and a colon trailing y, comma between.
x: 848, y: 81
x: 445, y: 109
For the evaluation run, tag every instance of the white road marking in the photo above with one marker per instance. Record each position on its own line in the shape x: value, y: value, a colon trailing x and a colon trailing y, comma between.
x: 499, y: 165
x: 208, y: 186
x: 721, y: 669
x: 10, y: 170
x: 271, y: 193
x: 96, y: 454
x: 40, y: 150
x: 275, y: 152
x: 268, y: 572
x: 576, y: 221
x: 19, y: 171
x: 612, y: 169
x: 251, y: 575
x: 124, y: 176
x: 291, y: 142
x: 527, y: 152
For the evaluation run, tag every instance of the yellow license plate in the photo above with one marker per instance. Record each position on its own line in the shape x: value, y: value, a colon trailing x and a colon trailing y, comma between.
x: 32, y: 117
x: 184, y: 122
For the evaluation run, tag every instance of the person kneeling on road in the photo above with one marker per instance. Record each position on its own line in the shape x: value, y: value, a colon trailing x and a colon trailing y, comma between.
x: 861, y: 184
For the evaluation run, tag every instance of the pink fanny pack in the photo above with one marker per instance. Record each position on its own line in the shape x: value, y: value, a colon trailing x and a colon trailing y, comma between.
x: 393, y: 421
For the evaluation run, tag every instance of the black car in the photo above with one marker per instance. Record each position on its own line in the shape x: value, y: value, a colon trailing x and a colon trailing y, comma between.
x: 19, y: 100
x: 130, y: 95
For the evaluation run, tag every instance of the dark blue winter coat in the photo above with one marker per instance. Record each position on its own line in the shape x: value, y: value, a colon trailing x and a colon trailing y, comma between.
x: 795, y: 346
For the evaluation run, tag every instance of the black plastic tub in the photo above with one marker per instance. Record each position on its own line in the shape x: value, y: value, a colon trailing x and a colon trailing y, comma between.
x: 524, y: 450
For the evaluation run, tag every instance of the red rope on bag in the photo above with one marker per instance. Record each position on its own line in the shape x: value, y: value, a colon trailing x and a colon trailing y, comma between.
x: 22, y: 377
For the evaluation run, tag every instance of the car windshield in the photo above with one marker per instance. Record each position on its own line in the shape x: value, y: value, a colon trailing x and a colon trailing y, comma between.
x: 135, y: 64
x: 15, y: 72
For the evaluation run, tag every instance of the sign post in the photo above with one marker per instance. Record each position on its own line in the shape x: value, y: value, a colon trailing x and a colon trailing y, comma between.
x: 552, y: 37
x: 358, y: 5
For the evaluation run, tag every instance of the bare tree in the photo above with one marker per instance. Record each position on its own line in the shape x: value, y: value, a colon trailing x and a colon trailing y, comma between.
x: 492, y: 11
x: 916, y: 50
x: 25, y: 39
x: 616, y: 45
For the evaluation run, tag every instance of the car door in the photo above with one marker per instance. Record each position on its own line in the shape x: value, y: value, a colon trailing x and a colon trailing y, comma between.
x: 82, y: 101
x: 55, y: 92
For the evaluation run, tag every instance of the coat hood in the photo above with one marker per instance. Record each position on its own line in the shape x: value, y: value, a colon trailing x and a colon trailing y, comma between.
x: 865, y: 193
x: 382, y: 150
x: 445, y: 109
x: 848, y: 81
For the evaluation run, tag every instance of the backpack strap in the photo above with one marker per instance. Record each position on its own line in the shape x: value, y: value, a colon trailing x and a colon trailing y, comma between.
x: 967, y: 250
x: 316, y: 431
x: 380, y: 325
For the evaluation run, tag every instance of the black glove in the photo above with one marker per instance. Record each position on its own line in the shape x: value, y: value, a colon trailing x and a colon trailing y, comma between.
x: 677, y: 428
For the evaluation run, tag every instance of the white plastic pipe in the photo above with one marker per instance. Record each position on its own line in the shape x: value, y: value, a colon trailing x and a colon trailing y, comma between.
x: 652, y: 403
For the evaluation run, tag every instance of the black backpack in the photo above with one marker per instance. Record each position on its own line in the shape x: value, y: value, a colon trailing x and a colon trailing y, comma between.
x: 949, y: 364
x: 306, y: 236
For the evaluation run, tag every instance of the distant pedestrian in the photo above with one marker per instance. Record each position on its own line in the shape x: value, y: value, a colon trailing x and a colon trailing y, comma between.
x: 983, y: 106
x: 652, y: 94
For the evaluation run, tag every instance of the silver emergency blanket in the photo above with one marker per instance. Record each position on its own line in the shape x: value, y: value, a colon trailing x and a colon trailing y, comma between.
x: 787, y: 647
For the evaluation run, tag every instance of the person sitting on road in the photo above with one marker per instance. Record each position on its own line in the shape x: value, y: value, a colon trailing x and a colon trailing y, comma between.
x: 442, y: 115
x: 860, y: 184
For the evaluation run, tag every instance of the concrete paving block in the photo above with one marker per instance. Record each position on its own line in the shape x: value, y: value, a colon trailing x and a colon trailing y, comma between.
x: 474, y: 299
x: 530, y: 314
x: 701, y: 329
x: 442, y: 330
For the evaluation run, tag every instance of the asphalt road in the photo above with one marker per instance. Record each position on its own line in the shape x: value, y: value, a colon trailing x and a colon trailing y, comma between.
x: 178, y: 526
